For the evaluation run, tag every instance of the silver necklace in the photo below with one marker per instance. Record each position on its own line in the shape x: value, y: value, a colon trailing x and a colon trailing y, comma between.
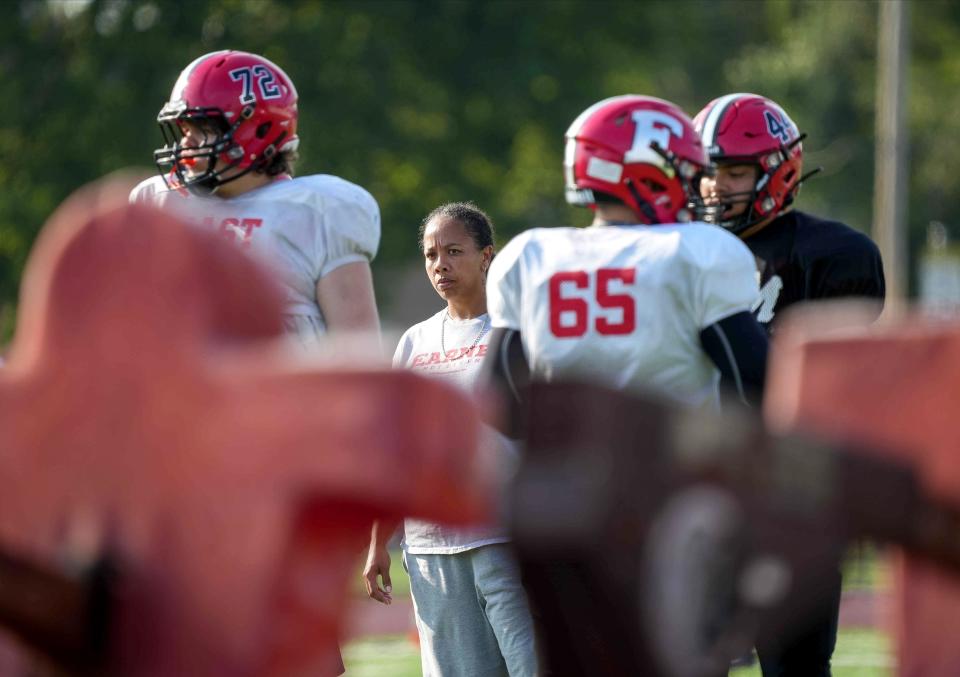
x: 476, y: 341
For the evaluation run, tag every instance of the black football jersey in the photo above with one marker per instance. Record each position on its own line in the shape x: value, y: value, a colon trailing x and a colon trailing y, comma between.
x: 801, y: 257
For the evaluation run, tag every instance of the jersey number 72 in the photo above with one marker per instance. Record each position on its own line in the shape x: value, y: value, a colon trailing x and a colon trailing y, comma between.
x: 570, y: 315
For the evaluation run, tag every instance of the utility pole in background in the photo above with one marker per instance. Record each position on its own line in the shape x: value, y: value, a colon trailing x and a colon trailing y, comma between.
x: 890, y: 175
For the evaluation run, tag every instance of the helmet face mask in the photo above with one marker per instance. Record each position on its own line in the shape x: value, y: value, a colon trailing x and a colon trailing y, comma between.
x: 732, y: 209
x: 641, y: 150
x: 751, y: 130
x: 230, y: 113
x: 199, y: 166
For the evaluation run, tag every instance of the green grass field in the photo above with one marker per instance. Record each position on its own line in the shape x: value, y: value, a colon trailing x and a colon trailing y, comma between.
x: 390, y: 656
x: 860, y: 652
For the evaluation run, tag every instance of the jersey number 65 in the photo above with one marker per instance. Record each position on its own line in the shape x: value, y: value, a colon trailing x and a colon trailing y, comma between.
x: 570, y: 315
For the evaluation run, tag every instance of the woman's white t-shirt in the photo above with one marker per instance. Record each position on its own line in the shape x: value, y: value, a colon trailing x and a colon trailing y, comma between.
x: 456, y: 359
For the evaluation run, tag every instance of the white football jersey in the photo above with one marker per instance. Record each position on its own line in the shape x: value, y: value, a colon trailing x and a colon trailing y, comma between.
x: 302, y: 228
x: 622, y: 305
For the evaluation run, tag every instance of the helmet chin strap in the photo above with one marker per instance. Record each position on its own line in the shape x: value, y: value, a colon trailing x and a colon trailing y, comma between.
x: 748, y: 223
x: 714, y: 213
x: 204, y: 185
x: 756, y: 226
x: 694, y: 209
x: 211, y: 180
x: 645, y: 207
x: 745, y: 221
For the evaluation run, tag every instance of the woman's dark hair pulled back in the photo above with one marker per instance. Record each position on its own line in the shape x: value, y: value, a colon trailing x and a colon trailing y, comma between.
x: 474, y: 219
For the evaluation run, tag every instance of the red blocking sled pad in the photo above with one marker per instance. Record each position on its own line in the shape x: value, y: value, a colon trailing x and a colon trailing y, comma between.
x: 179, y: 496
x: 893, y: 389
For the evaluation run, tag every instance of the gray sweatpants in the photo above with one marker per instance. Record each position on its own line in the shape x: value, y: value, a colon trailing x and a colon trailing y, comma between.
x: 472, y: 614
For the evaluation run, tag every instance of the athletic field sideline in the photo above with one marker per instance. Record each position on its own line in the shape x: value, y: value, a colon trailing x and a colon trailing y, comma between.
x: 860, y: 653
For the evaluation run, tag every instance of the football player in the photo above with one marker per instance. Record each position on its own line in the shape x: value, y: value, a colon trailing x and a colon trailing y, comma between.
x: 758, y: 153
x: 230, y: 131
x: 647, y: 298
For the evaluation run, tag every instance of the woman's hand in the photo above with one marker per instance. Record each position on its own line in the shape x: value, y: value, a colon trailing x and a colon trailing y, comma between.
x: 378, y: 565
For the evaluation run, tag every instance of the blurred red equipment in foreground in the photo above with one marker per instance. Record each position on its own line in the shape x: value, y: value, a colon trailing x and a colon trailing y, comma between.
x: 180, y: 497
x: 893, y: 390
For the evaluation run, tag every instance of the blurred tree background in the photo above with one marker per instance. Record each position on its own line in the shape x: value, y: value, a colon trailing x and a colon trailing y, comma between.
x: 428, y: 101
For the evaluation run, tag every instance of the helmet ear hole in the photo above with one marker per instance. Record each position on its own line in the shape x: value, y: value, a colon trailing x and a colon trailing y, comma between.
x: 263, y: 130
x: 653, y: 186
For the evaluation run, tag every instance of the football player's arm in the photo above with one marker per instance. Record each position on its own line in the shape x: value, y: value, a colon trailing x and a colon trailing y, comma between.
x: 346, y: 240
x: 505, y: 370
x: 507, y: 374
x: 346, y: 299
x: 738, y: 346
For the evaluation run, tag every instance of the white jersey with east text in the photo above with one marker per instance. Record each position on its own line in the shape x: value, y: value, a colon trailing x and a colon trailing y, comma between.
x: 301, y: 228
x: 622, y: 305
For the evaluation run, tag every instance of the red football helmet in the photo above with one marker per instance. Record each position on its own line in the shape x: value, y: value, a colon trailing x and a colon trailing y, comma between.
x: 641, y: 150
x: 246, y: 107
x: 751, y: 129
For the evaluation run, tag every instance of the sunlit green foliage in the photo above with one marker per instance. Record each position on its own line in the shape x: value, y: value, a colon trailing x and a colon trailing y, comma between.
x: 426, y: 101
